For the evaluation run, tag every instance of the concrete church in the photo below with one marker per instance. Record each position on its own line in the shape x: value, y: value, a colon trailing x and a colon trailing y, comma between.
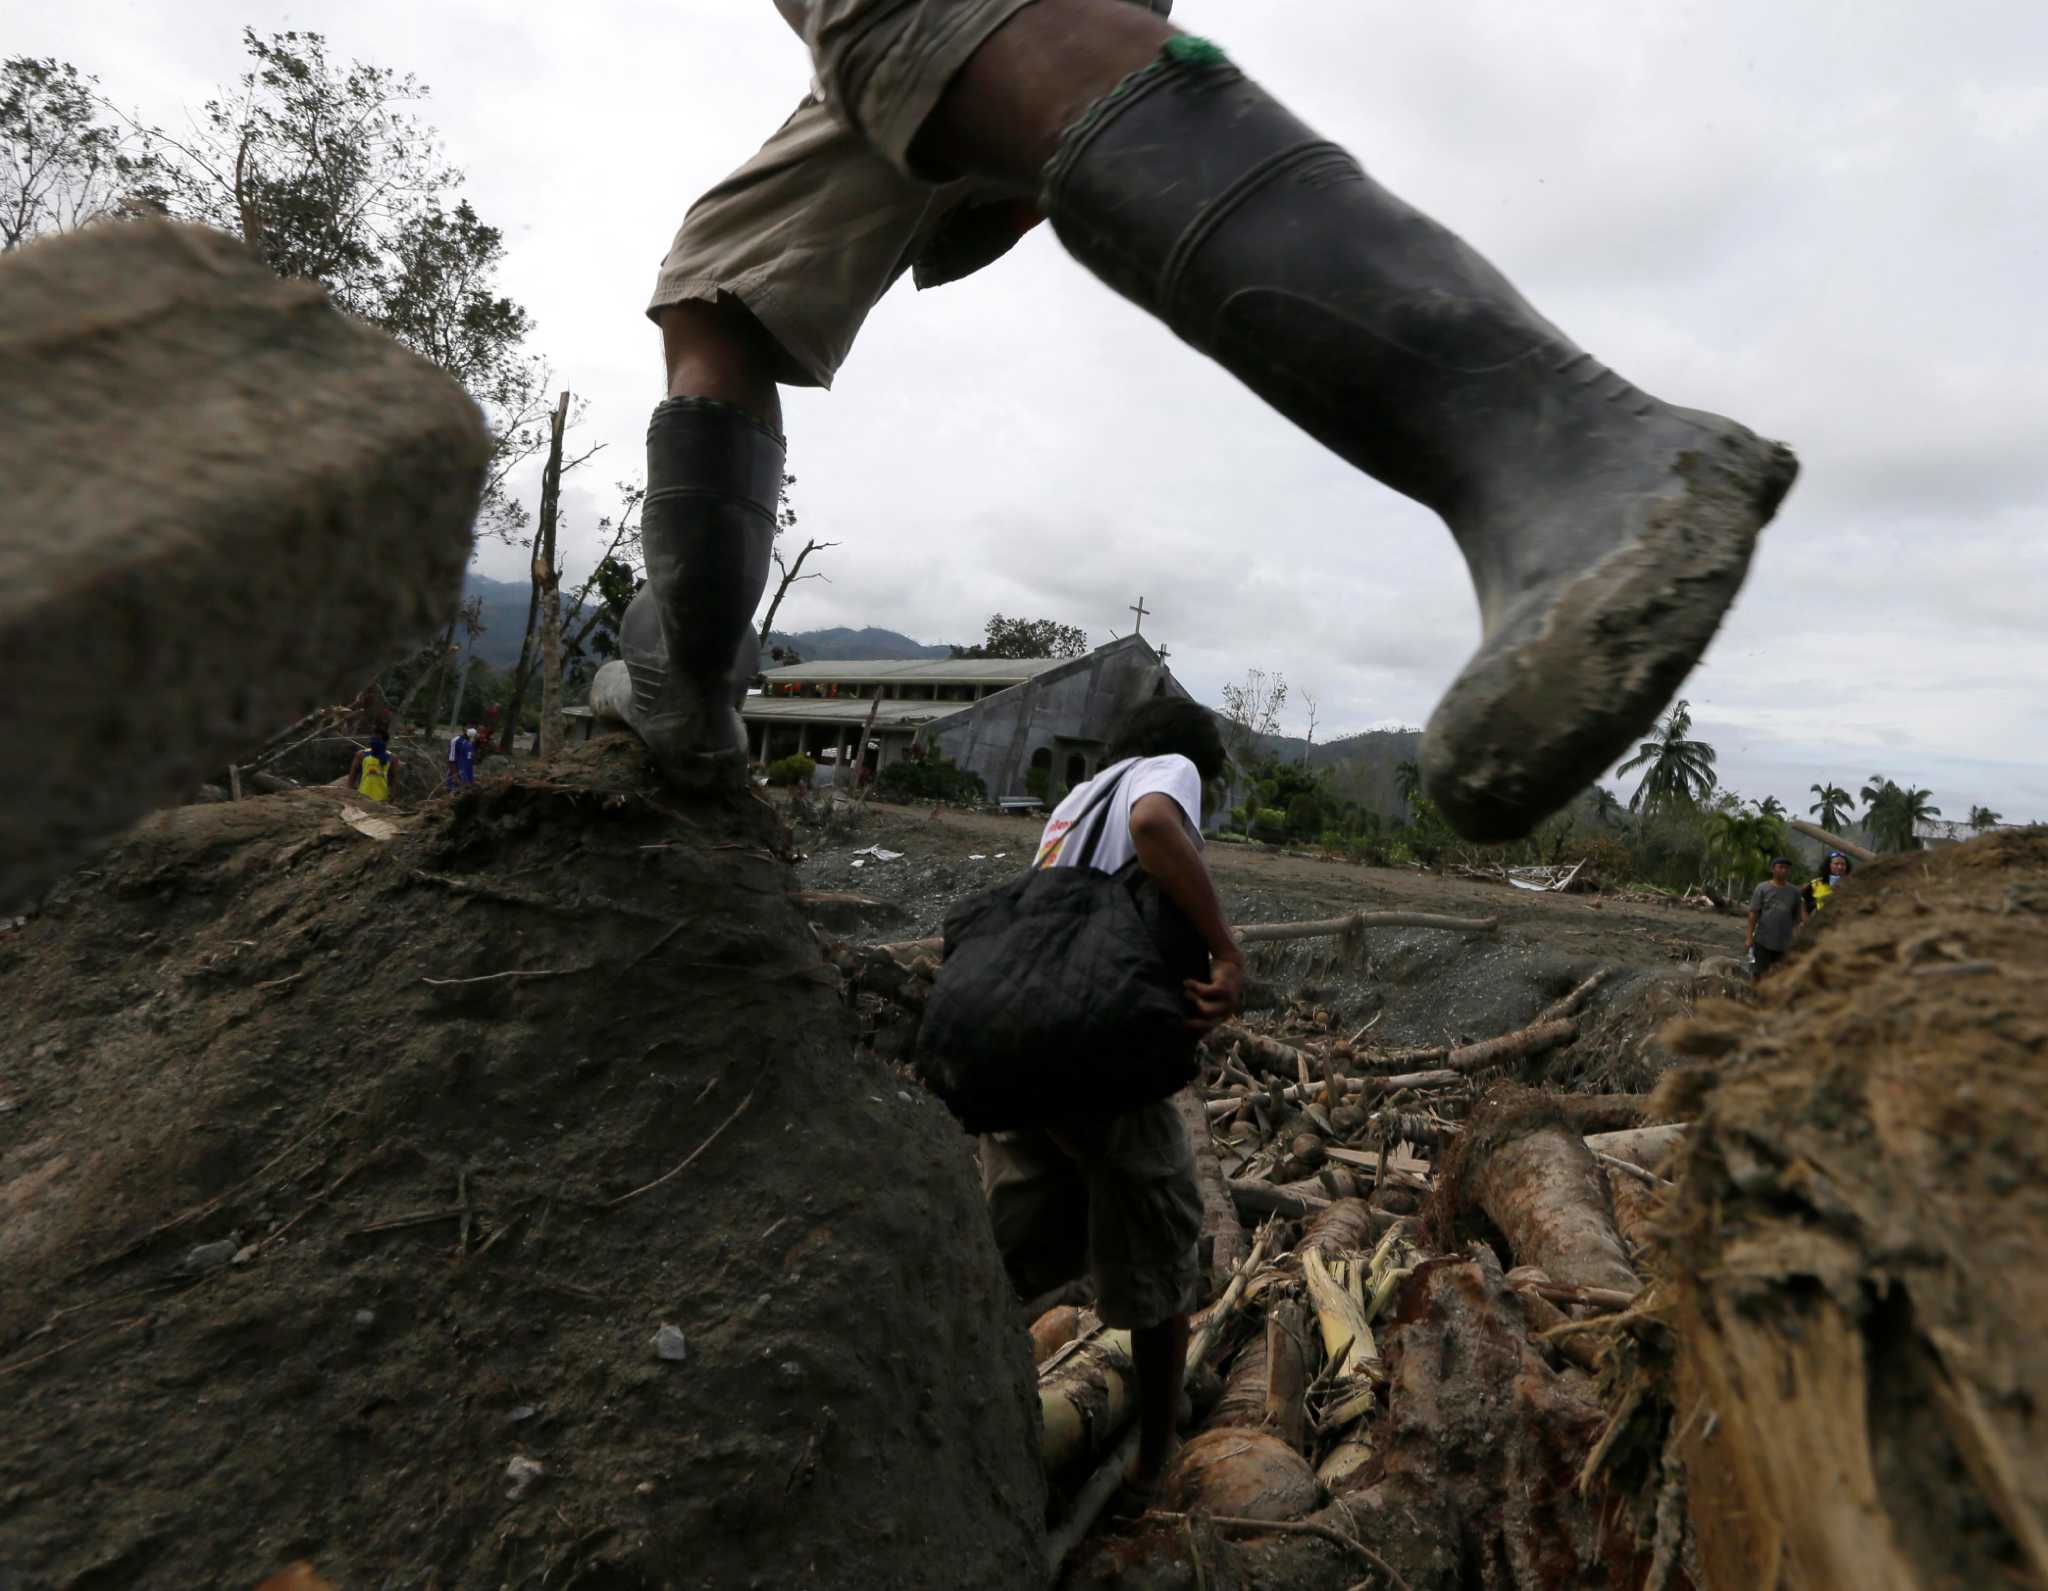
x: 996, y: 717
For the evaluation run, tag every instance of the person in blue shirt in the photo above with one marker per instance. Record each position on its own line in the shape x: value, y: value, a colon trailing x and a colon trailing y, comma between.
x: 462, y: 758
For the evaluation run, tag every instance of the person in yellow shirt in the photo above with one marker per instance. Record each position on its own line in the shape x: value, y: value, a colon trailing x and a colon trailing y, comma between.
x: 1833, y: 875
x: 373, y: 770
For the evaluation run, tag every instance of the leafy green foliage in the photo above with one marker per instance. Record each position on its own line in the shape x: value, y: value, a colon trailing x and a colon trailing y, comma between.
x: 1022, y: 638
x: 1833, y: 809
x: 796, y: 769
x: 930, y: 779
x: 1982, y: 818
x: 1892, y: 812
x: 1677, y: 771
x: 62, y: 166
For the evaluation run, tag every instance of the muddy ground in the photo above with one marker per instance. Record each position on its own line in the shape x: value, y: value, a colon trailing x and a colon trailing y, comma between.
x: 340, y: 1170
x: 1416, y: 985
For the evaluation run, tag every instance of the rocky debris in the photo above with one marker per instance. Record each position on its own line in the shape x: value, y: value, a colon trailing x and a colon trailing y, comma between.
x: 671, y: 1345
x: 224, y: 498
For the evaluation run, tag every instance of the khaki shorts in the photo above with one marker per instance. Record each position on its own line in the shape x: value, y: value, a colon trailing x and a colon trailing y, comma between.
x: 811, y: 232
x: 1122, y: 1205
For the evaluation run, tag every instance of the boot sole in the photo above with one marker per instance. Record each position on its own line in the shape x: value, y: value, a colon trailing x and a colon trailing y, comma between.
x: 1581, y: 669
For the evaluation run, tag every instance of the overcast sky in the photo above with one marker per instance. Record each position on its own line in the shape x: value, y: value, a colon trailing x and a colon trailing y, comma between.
x: 1825, y: 219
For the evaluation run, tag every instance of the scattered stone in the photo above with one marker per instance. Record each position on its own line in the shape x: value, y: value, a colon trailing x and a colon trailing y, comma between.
x: 245, y: 1253
x: 522, y: 1412
x: 365, y: 1320
x: 211, y: 1256
x: 670, y: 1344
x: 522, y: 1472
x: 904, y: 1095
x: 644, y: 1489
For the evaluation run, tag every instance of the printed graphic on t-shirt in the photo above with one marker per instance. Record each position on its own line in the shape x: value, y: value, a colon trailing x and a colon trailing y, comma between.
x: 1110, y: 820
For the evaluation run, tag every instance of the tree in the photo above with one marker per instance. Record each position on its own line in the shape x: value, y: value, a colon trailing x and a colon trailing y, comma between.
x: 1607, y: 807
x: 327, y: 174
x: 1309, y: 699
x: 1833, y: 809
x: 1252, y: 710
x: 1743, y: 843
x: 61, y: 166
x: 1677, y: 772
x: 1020, y: 638
x: 1896, y: 813
x: 1770, y: 806
x: 1408, y: 780
x: 1982, y: 818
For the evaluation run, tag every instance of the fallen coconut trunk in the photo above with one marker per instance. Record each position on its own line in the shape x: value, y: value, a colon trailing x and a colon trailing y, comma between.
x: 1647, y: 1147
x: 1247, y: 1474
x: 225, y: 501
x: 1855, y: 1276
x: 1813, y: 831
x: 1266, y: 933
x: 1084, y: 1397
x: 1514, y: 1046
x: 1220, y: 1227
x: 1053, y: 1330
x: 1539, y: 1185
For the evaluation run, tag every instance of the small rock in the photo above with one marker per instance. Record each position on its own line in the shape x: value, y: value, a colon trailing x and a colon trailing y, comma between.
x: 904, y: 1095
x: 670, y: 1344
x: 522, y: 1472
x: 365, y: 1320
x: 791, y: 1370
x: 211, y: 1256
x: 521, y: 1412
x: 644, y: 1489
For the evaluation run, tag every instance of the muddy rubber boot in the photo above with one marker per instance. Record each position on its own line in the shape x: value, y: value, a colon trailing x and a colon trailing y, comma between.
x: 687, y: 640
x: 1606, y: 531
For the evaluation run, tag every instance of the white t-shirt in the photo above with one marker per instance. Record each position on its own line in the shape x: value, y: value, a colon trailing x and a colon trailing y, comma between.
x: 1171, y: 775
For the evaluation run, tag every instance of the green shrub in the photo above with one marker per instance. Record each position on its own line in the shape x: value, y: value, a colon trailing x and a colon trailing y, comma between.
x: 929, y: 779
x: 797, y: 769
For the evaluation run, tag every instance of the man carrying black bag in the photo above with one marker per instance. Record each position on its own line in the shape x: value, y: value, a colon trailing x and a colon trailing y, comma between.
x: 1115, y: 1192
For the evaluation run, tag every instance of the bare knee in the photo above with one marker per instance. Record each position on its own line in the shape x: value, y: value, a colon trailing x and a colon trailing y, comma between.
x: 718, y: 350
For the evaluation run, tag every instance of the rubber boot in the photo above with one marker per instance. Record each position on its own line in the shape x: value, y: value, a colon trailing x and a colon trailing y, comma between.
x: 1606, y: 532
x: 687, y: 639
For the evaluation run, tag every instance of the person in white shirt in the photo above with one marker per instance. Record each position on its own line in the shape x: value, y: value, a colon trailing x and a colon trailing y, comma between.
x: 1116, y: 1194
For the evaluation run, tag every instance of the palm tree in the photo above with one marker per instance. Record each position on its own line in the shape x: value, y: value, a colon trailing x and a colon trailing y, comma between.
x: 1677, y: 771
x: 1833, y: 809
x: 1408, y: 780
x: 1982, y: 818
x: 1873, y: 791
x: 1607, y: 806
x: 1770, y: 807
x: 1896, y: 813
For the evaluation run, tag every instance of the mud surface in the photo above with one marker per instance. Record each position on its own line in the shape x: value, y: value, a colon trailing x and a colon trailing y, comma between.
x: 313, y: 1218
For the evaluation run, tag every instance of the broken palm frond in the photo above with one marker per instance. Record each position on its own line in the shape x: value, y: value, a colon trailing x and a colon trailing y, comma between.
x: 1219, y: 1214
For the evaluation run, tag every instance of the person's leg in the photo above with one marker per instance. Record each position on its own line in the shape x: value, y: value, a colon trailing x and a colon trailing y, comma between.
x: 1606, y: 532
x: 1144, y: 1222
x: 1159, y: 1359
x: 767, y: 283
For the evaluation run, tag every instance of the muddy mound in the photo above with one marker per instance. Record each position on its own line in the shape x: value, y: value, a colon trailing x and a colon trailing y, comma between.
x: 346, y: 1185
x: 1854, y: 1249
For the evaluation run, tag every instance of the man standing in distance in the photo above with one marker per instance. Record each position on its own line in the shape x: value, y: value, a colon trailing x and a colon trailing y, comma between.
x: 1777, y: 911
x: 1606, y: 531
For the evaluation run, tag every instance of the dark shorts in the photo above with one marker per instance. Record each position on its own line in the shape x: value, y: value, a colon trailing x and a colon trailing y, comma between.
x: 1766, y: 958
x: 1114, y: 1196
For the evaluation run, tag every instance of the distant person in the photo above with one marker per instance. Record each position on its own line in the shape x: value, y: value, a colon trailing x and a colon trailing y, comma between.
x: 462, y: 759
x: 1834, y: 874
x: 371, y: 772
x: 1116, y: 1194
x: 1777, y: 911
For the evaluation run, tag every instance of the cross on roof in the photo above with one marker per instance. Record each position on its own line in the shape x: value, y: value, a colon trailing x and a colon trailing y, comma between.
x: 1163, y: 653
x: 1141, y: 610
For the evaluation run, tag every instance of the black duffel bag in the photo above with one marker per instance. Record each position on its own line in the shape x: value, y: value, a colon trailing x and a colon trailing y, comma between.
x: 1060, y: 994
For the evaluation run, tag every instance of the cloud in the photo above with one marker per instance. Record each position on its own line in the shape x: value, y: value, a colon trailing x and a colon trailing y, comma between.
x: 1826, y: 223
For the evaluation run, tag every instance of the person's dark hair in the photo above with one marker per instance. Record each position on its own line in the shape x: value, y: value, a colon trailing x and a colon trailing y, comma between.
x: 1167, y: 725
x: 377, y: 747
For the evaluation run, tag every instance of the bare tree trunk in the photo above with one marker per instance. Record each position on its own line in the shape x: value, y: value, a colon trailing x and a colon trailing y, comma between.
x: 523, y: 671
x: 547, y: 573
x: 436, y: 674
x: 790, y: 575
